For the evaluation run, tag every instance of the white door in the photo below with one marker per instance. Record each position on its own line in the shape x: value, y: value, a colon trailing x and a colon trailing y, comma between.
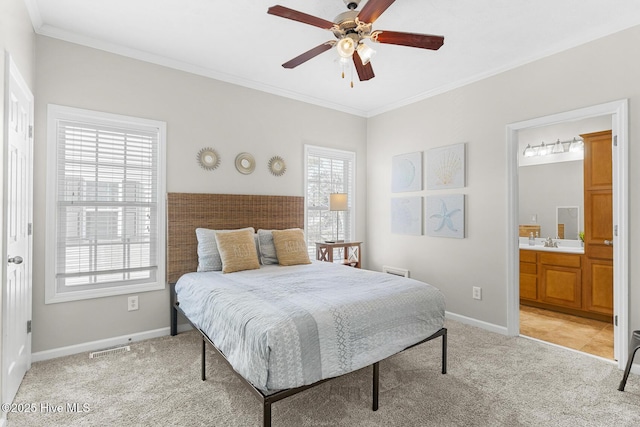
x: 17, y: 211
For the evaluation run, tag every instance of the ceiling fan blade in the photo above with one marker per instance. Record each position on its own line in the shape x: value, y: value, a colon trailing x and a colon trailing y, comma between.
x: 373, y: 9
x: 312, y: 53
x: 365, y: 72
x: 423, y: 41
x: 285, y: 12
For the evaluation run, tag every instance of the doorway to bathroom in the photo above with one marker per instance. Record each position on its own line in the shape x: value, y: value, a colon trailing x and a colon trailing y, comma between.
x: 562, y: 271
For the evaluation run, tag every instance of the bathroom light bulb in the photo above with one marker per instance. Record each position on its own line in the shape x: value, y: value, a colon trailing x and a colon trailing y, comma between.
x: 576, y: 146
x: 558, y: 147
x: 529, y: 152
x: 542, y: 151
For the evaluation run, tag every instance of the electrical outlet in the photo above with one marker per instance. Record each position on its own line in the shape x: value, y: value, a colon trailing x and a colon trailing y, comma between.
x: 477, y: 292
x: 132, y: 303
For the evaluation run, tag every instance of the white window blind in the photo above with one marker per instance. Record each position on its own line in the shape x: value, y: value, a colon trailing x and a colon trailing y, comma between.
x: 109, y: 205
x: 328, y: 171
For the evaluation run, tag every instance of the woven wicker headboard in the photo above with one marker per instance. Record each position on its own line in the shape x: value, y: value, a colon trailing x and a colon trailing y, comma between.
x: 188, y: 211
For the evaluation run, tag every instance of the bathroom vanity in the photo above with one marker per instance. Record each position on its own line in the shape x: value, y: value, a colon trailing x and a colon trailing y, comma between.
x: 555, y: 278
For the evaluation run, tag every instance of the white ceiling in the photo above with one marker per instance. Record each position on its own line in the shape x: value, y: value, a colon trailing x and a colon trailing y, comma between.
x: 239, y: 42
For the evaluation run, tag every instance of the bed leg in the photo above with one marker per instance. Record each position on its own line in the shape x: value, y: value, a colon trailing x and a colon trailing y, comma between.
x: 204, y: 348
x: 174, y: 311
x: 174, y: 322
x: 444, y: 352
x: 266, y: 414
x: 376, y: 385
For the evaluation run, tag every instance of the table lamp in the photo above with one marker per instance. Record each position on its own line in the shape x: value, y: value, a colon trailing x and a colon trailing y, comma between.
x: 337, y: 202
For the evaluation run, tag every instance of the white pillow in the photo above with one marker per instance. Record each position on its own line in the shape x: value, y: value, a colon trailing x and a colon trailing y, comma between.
x: 208, y: 254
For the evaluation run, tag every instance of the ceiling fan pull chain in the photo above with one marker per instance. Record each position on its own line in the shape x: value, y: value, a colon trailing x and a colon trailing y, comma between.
x: 351, y: 68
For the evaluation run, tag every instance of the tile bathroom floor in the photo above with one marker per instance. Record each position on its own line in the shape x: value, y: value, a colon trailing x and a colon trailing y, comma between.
x: 579, y: 333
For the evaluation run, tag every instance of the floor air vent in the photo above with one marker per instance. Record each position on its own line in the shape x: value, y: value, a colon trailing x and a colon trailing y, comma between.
x: 396, y: 271
x: 109, y: 352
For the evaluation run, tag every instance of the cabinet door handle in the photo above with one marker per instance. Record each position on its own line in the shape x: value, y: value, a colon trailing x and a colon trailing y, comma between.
x: 608, y: 242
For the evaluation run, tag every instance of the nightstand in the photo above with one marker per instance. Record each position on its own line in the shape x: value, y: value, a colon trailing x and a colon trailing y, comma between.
x: 350, y: 251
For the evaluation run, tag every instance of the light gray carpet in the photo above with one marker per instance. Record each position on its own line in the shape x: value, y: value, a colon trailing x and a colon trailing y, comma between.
x: 492, y: 380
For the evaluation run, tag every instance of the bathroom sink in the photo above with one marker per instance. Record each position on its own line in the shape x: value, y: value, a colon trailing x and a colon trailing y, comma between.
x: 565, y: 249
x: 566, y: 246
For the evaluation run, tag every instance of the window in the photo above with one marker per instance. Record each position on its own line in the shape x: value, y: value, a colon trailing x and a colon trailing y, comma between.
x: 328, y: 171
x: 105, y: 204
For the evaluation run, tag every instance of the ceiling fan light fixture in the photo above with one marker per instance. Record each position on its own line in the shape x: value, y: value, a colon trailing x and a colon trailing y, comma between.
x: 346, y: 46
x: 366, y: 53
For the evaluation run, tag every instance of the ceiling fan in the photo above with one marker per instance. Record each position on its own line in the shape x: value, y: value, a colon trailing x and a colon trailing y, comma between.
x: 351, y: 28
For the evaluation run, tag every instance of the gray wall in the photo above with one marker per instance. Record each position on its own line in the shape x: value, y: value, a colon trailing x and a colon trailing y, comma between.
x: 591, y: 74
x: 199, y: 112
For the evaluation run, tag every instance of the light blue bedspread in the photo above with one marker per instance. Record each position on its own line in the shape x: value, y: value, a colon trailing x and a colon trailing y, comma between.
x: 284, y: 327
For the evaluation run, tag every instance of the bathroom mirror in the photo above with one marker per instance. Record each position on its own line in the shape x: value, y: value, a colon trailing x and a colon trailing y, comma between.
x: 567, y: 222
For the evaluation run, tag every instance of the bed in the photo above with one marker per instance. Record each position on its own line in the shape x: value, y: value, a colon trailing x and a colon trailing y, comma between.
x: 284, y: 329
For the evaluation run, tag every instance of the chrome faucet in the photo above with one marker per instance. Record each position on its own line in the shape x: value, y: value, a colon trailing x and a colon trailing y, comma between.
x: 549, y: 243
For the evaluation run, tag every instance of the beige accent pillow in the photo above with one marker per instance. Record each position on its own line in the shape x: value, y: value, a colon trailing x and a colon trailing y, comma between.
x: 237, y: 251
x: 291, y: 246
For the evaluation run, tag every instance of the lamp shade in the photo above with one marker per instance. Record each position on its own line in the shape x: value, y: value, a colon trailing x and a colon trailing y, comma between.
x: 529, y: 151
x: 542, y: 150
x: 366, y: 53
x: 558, y: 147
x: 338, y: 202
x: 346, y: 46
x: 576, y: 146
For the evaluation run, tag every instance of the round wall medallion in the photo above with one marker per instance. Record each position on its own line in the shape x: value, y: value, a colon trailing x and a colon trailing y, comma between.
x: 208, y: 159
x: 277, y: 166
x: 245, y: 163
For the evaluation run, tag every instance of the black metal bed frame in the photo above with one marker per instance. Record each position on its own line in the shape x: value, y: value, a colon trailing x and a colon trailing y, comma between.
x: 268, y: 399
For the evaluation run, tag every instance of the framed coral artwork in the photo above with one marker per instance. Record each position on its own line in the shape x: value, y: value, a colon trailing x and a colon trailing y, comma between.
x: 446, y: 167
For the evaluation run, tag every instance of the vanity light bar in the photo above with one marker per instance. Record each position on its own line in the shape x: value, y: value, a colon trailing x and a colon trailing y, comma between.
x: 572, y: 146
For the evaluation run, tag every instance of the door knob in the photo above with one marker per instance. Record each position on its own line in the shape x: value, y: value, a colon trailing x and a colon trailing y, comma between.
x: 15, y: 260
x: 608, y: 242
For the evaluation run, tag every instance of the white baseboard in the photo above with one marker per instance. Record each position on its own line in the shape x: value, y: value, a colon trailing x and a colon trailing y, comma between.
x: 475, y: 322
x: 102, y: 344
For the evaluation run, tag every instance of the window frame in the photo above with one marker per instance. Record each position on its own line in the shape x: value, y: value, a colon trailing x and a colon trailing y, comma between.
x: 55, y: 114
x: 335, y: 154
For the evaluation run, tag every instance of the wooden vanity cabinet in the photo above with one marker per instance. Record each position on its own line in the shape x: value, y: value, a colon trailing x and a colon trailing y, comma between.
x: 563, y: 282
x: 528, y: 275
x: 561, y: 279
